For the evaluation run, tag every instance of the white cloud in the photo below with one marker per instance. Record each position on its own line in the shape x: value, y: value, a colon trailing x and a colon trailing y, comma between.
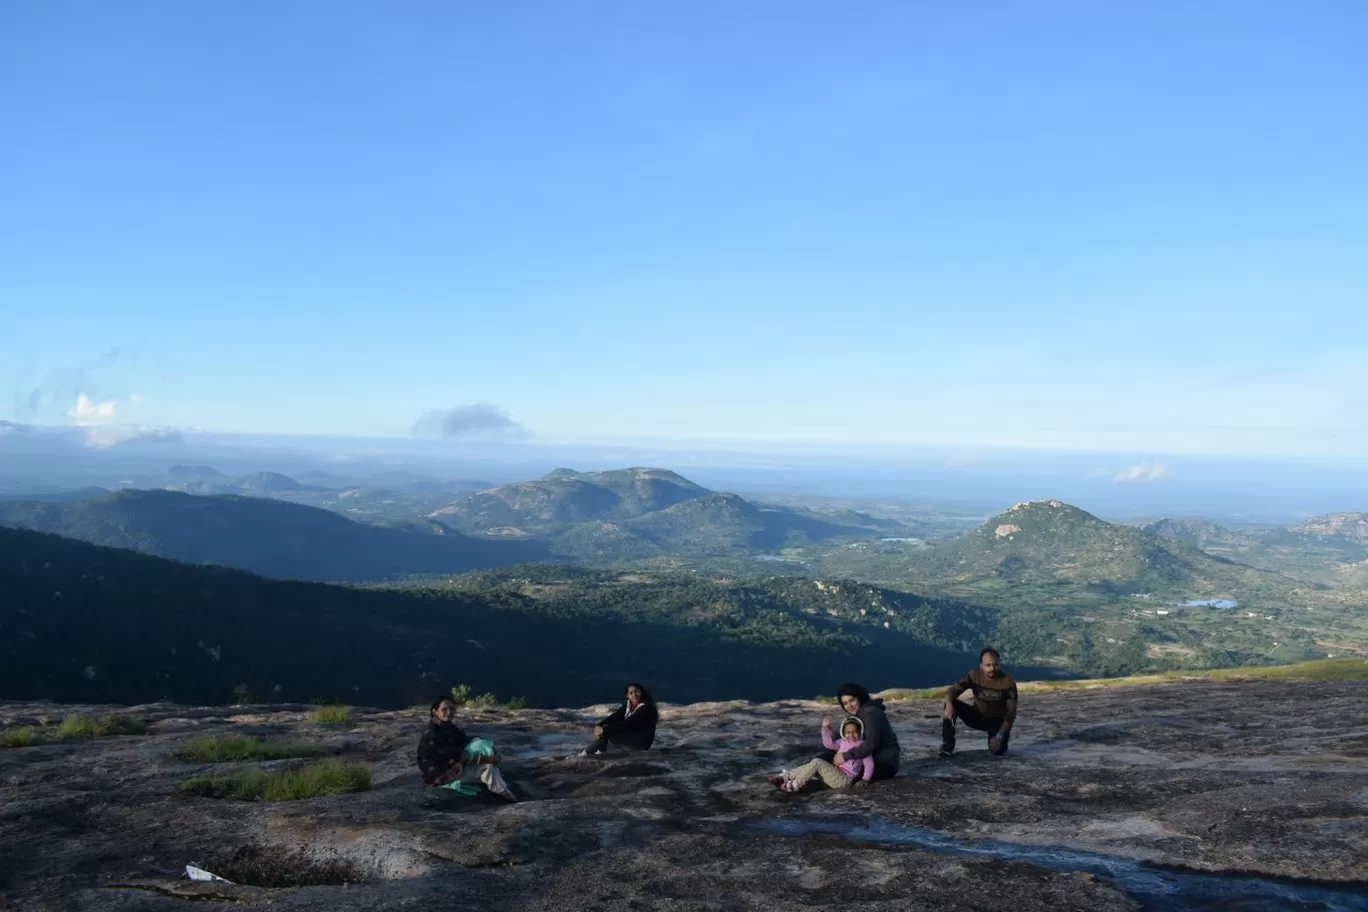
x: 1143, y: 472
x: 118, y: 435
x: 85, y: 412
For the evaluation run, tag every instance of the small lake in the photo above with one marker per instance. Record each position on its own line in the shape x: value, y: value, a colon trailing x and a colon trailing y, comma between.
x: 1223, y: 604
x: 775, y: 557
x: 899, y: 539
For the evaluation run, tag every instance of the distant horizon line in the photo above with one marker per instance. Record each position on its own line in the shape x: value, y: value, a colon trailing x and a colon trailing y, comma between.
x: 951, y: 452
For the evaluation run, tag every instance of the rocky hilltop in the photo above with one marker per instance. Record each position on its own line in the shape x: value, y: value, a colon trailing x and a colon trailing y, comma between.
x: 1111, y: 799
x: 1352, y: 526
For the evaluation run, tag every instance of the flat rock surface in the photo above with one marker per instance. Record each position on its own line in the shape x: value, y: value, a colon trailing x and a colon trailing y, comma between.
x: 1111, y: 799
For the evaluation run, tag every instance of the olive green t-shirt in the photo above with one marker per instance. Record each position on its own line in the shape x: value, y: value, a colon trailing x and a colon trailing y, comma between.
x: 990, y: 694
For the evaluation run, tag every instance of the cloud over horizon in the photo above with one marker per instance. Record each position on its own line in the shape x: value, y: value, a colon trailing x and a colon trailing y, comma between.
x: 1144, y: 472
x: 106, y: 436
x: 85, y: 412
x: 40, y: 398
x: 480, y: 419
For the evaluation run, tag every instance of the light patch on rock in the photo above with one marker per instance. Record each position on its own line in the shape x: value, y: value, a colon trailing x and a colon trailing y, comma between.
x: 1006, y: 530
x: 1036, y: 503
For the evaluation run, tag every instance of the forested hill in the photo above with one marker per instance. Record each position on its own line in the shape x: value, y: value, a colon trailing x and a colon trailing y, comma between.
x: 85, y: 623
x: 270, y: 537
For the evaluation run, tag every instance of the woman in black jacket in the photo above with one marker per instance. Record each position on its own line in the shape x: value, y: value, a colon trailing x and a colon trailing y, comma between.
x: 879, y: 740
x: 445, y: 753
x: 631, y: 726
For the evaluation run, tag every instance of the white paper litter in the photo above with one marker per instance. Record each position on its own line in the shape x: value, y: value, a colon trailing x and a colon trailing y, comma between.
x: 195, y: 873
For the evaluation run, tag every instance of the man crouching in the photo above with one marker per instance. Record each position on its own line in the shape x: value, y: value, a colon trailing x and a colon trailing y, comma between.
x: 994, y: 709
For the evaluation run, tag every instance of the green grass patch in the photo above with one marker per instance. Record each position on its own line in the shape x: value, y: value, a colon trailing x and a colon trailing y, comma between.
x: 242, y: 785
x: 333, y: 714
x: 17, y: 737
x: 77, y: 727
x: 1348, y: 669
x: 330, y: 778
x: 234, y: 749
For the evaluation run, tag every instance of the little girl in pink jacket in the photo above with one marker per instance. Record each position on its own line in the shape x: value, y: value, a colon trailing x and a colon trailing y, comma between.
x: 850, y: 772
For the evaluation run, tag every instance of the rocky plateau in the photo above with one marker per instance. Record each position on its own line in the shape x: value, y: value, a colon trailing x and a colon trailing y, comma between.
x: 1183, y: 796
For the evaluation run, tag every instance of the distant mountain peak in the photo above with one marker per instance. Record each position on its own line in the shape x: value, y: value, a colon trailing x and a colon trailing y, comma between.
x: 1040, y: 504
x: 1049, y: 513
x: 643, y: 474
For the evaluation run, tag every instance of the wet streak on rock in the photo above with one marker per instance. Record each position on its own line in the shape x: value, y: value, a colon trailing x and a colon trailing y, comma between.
x: 1157, y: 887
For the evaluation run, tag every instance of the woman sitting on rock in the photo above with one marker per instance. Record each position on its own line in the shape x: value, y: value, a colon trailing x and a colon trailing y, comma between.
x: 631, y: 726
x: 879, y: 741
x: 445, y: 752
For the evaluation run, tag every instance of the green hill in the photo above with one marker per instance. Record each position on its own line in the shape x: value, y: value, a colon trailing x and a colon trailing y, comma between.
x: 634, y: 514
x: 1048, y: 545
x: 270, y: 537
x: 1108, y: 599
x: 84, y: 623
x: 564, y: 497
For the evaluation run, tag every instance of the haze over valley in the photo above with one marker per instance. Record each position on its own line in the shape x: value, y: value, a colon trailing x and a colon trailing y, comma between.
x: 907, y: 591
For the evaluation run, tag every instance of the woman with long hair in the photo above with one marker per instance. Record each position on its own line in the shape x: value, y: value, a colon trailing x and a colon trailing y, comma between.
x: 631, y: 726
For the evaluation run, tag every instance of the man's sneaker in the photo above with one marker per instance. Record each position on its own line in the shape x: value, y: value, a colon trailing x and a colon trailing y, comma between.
x: 588, y: 753
x: 790, y: 786
x: 947, y: 751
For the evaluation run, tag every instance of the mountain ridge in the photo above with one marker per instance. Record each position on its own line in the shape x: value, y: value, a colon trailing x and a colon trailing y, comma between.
x: 643, y: 512
x: 273, y: 538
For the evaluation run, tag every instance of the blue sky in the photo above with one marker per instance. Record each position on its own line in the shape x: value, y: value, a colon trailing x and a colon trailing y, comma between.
x: 1054, y: 225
